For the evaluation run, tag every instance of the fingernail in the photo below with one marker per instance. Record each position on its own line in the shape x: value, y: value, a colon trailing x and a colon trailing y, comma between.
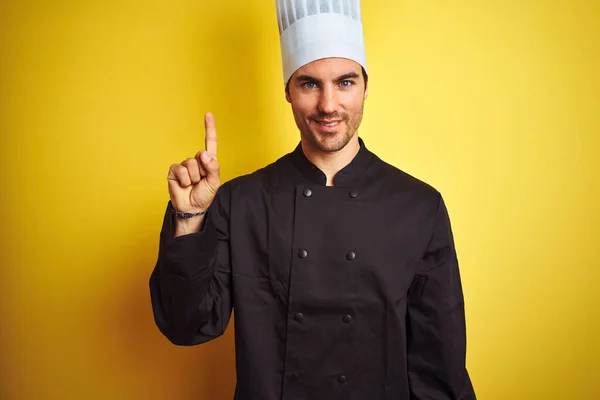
x: 206, y: 156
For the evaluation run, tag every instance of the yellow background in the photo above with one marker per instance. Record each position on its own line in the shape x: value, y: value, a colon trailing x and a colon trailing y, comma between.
x: 495, y: 103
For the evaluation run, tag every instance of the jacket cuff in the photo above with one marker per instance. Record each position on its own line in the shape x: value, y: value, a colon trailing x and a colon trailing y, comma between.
x: 189, y: 255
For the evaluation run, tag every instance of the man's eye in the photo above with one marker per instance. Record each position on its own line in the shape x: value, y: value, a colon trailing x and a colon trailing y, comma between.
x: 309, y: 85
x: 346, y: 84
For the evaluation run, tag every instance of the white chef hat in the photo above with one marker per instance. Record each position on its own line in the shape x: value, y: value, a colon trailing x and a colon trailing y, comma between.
x: 314, y: 29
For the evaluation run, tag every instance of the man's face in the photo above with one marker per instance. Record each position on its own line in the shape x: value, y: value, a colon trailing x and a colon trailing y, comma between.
x: 327, y: 98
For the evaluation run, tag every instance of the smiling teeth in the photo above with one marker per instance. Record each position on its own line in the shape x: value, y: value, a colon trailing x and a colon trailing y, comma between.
x: 332, y: 124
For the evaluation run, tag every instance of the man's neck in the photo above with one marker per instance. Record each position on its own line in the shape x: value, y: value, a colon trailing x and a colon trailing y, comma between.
x: 332, y: 163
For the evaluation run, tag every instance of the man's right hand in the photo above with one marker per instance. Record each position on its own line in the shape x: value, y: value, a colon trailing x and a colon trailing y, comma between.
x: 193, y: 184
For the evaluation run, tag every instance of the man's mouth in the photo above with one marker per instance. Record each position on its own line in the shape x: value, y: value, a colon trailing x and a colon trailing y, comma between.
x: 329, y: 124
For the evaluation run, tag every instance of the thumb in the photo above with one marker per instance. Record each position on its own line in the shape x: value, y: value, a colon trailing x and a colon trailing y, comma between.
x: 210, y: 164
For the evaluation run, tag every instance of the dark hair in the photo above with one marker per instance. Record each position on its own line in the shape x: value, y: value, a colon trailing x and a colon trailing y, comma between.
x: 364, y: 74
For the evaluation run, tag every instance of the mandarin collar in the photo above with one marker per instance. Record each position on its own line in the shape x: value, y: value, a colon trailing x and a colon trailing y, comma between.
x: 344, y: 177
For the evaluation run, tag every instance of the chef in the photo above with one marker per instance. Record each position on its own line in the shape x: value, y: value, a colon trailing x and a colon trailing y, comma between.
x: 341, y: 268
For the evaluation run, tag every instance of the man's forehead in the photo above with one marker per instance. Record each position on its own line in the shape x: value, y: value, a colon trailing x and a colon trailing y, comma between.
x: 329, y: 68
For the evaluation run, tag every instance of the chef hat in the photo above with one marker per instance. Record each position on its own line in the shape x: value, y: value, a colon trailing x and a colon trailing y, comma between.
x: 314, y: 29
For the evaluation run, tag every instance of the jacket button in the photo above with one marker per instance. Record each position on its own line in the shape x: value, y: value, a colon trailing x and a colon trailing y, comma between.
x: 342, y: 379
x: 350, y: 256
x: 347, y: 318
x: 353, y: 194
x: 295, y: 377
x: 307, y: 192
x: 303, y: 253
x: 299, y: 317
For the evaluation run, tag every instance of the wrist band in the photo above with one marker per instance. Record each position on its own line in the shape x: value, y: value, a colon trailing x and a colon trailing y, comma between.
x: 188, y: 215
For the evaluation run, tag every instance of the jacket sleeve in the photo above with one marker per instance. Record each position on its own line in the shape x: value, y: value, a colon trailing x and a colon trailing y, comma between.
x: 436, y: 321
x: 190, y: 287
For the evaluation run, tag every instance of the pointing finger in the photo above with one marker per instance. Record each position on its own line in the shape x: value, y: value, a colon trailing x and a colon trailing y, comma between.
x: 210, y: 139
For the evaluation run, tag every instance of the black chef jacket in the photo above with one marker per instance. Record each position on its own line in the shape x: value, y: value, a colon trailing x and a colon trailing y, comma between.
x: 346, y: 292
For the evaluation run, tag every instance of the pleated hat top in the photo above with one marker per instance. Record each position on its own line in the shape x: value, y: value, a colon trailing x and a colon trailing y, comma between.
x: 314, y: 29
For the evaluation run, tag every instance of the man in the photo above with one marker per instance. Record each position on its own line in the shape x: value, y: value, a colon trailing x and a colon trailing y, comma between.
x: 341, y: 268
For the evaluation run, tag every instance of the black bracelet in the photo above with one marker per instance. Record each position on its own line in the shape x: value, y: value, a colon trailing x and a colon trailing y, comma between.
x: 188, y: 215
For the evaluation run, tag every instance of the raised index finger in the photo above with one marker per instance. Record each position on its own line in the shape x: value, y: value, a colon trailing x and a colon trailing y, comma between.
x: 210, y: 140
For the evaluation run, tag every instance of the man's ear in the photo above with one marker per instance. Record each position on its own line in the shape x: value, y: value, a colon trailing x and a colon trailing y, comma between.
x: 366, y: 90
x: 287, y: 95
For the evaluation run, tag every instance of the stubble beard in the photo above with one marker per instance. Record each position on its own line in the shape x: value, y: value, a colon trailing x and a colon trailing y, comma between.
x: 330, y: 142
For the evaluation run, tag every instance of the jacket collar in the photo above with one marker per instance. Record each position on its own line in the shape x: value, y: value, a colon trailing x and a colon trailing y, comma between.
x: 345, y: 177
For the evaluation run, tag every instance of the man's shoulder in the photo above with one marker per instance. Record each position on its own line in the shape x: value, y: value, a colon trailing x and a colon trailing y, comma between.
x: 260, y: 177
x: 402, y: 181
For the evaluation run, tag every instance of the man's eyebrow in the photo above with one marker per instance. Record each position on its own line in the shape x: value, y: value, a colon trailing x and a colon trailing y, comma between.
x: 349, y: 75
x: 308, y: 78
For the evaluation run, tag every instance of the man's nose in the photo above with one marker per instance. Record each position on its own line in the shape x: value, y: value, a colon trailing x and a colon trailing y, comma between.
x: 328, y: 102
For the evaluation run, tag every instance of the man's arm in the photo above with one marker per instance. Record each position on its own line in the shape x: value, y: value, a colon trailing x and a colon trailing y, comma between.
x: 436, y: 321
x: 191, y: 282
x: 190, y: 286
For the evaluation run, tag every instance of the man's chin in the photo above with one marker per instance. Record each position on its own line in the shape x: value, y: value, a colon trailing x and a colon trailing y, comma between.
x: 329, y: 142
